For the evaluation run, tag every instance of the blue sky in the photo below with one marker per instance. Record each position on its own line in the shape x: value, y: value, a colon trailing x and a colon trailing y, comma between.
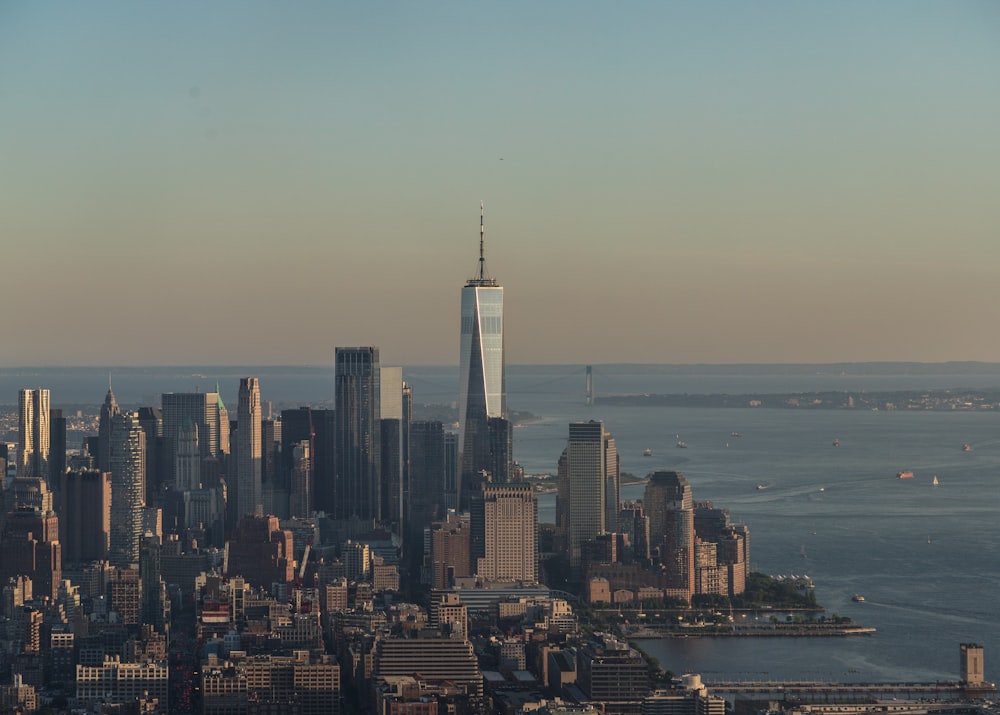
x: 253, y: 182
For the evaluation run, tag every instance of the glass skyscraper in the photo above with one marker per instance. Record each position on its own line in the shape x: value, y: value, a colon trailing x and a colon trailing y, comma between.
x: 358, y: 433
x: 483, y: 376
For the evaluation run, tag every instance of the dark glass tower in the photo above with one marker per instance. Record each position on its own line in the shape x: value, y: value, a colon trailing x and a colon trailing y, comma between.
x: 427, y: 465
x: 358, y: 437
x: 483, y: 374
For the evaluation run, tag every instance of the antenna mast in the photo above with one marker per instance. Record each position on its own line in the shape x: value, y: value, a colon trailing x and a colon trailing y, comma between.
x: 482, y: 237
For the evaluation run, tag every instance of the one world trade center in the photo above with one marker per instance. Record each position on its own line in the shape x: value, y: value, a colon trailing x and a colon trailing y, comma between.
x: 484, y: 437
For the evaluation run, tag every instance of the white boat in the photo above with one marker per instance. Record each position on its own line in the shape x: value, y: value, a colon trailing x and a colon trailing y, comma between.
x: 858, y: 598
x: 934, y: 482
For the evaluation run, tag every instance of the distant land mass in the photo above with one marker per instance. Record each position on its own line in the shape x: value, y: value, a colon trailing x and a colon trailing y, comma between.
x: 943, y: 400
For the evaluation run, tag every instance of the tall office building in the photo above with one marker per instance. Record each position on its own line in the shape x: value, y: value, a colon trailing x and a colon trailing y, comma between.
x: 324, y: 463
x: 426, y: 486
x: 300, y: 502
x: 33, y: 423
x: 151, y: 421
x: 57, y: 443
x: 109, y: 410
x: 589, y: 457
x: 612, y: 485
x: 505, y: 532
x: 128, y: 487
x: 482, y: 376
x: 187, y: 460
x: 85, y: 521
x: 220, y: 415
x: 247, y: 485
x: 274, y: 487
x: 501, y: 449
x: 391, y: 448
x: 200, y: 408
x: 30, y: 545
x: 297, y: 430
x: 358, y: 433
x: 451, y: 471
x: 152, y: 608
x: 670, y: 508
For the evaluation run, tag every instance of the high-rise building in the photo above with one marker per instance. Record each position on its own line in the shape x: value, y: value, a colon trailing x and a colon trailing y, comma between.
x: 612, y: 484
x: 300, y: 492
x: 128, y: 487
x: 246, y: 492
x: 324, y: 465
x: 391, y: 447
x: 482, y: 374
x: 57, y: 443
x: 153, y: 608
x: 358, y: 433
x: 201, y: 408
x: 613, y: 673
x: 33, y: 424
x: 151, y: 421
x: 450, y: 547
x: 501, y: 449
x: 505, y: 532
x: 670, y: 507
x: 85, y: 521
x: 109, y: 410
x: 220, y: 415
x: 262, y: 552
x: 187, y: 460
x: 452, y: 469
x: 30, y: 544
x: 274, y: 485
x: 426, y: 485
x: 585, y: 484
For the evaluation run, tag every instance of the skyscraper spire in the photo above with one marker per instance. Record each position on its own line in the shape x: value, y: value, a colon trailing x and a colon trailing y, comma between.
x: 482, y: 277
x: 482, y: 238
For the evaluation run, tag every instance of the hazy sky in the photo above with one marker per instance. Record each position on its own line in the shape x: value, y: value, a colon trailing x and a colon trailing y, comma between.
x: 259, y: 182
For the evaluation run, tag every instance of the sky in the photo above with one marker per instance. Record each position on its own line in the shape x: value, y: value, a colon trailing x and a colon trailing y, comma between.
x: 249, y: 182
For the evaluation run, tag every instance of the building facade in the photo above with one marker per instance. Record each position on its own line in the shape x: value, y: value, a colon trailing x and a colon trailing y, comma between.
x: 246, y: 492
x: 584, y: 488
x: 670, y: 507
x: 35, y: 437
x: 505, y: 533
x: 128, y: 487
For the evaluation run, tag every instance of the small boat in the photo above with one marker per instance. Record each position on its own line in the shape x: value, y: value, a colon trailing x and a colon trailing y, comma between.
x: 966, y: 447
x: 934, y: 481
x: 681, y: 445
x: 647, y: 452
x: 857, y: 598
x: 822, y: 489
x: 836, y: 443
x: 905, y: 474
x: 734, y: 434
x: 761, y: 487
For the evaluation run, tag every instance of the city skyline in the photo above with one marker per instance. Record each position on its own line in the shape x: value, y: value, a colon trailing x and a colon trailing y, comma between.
x: 724, y: 184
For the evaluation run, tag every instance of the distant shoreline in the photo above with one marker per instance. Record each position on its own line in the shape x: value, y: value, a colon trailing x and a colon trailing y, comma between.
x: 951, y: 400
